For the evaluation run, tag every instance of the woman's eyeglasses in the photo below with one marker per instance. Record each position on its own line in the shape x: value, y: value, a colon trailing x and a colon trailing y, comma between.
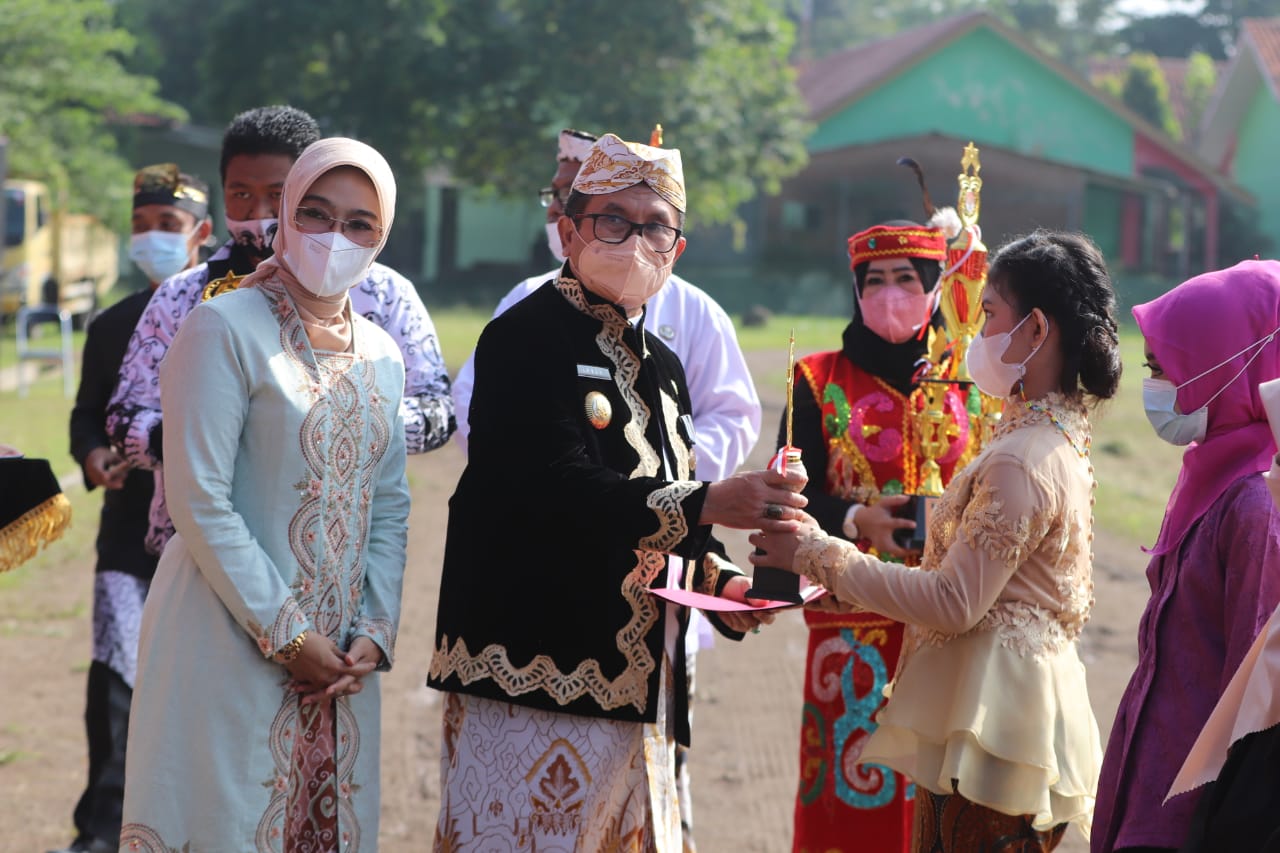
x: 361, y: 231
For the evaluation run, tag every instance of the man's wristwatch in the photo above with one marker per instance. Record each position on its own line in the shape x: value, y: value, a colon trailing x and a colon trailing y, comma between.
x: 850, y: 527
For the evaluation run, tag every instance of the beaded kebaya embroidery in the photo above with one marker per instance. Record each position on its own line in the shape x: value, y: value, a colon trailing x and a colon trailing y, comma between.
x: 1044, y: 410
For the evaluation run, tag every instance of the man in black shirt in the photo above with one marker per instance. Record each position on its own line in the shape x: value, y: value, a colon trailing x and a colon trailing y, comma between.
x: 170, y: 222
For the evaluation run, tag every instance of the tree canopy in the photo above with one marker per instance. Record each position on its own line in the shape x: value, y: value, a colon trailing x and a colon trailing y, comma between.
x: 476, y: 89
x: 62, y: 75
x: 479, y: 88
x: 1146, y: 91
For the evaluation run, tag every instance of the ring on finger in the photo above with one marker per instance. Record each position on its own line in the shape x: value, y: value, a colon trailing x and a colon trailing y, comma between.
x: 773, y: 511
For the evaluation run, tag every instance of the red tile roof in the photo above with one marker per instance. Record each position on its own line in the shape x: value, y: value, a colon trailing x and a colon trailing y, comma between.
x: 1264, y: 35
x: 829, y: 83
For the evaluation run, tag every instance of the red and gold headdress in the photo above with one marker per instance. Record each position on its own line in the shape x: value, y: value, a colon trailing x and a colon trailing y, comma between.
x: 897, y: 241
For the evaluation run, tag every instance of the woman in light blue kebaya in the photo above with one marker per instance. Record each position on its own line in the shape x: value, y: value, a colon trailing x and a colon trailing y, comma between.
x: 255, y: 722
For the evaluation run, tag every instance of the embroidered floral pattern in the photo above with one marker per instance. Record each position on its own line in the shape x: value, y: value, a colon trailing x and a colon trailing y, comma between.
x: 289, y: 621
x: 822, y: 558
x: 681, y: 452
x: 382, y: 631
x: 342, y: 441
x: 988, y: 527
x: 384, y: 297
x: 303, y: 801
x: 138, y: 838
x: 973, y: 512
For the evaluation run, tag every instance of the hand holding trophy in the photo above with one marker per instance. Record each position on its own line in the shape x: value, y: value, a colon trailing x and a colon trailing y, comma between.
x: 768, y: 583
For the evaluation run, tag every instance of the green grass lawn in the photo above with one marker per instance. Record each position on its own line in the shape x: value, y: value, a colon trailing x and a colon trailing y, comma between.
x: 1135, y: 470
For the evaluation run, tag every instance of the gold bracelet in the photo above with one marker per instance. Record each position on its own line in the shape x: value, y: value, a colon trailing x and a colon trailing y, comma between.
x: 292, y: 649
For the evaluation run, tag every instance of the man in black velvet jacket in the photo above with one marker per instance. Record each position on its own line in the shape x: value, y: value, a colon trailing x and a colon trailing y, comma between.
x: 563, y: 671
x: 169, y: 224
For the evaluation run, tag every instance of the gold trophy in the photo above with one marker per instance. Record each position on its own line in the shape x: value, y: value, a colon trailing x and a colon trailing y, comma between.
x: 960, y: 300
x: 768, y: 583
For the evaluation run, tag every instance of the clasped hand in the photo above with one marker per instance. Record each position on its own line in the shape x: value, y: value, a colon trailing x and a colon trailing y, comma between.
x: 323, y: 672
x: 106, y: 468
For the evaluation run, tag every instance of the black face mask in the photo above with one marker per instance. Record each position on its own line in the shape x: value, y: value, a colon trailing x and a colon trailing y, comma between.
x: 244, y: 258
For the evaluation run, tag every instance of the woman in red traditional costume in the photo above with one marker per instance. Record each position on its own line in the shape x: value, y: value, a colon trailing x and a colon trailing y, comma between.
x: 856, y: 422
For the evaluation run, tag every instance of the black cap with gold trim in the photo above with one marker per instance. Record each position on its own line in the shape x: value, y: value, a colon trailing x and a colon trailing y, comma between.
x: 163, y: 183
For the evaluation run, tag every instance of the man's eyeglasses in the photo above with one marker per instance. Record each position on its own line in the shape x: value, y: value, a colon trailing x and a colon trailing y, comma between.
x: 362, y: 232
x: 547, y: 195
x: 609, y: 228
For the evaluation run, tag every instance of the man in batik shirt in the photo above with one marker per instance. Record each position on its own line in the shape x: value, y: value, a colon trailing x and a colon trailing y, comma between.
x: 169, y: 224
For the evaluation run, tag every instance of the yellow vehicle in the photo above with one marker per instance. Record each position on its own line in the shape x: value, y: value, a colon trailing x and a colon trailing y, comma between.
x: 52, y: 257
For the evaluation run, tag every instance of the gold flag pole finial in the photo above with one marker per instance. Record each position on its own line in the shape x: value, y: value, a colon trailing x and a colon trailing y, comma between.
x: 655, y: 138
x: 791, y: 381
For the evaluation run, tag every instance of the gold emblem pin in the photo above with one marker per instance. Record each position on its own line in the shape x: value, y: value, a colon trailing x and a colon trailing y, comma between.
x: 219, y: 286
x: 598, y: 410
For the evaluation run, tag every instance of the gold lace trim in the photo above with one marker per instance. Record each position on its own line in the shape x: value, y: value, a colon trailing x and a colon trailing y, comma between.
x: 672, y: 525
x: 682, y: 455
x: 712, y: 566
x: 35, y: 528
x: 626, y: 371
x: 629, y: 688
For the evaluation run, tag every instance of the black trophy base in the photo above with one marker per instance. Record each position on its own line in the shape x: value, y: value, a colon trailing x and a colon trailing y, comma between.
x: 775, y: 585
x: 918, y: 509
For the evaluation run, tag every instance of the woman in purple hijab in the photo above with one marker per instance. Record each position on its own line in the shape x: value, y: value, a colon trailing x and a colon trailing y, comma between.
x: 1215, y: 569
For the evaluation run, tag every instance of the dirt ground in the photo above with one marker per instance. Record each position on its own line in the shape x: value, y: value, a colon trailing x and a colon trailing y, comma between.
x: 744, y: 754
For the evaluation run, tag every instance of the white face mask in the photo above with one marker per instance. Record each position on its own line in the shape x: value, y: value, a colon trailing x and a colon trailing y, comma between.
x: 984, y: 361
x: 329, y: 264
x: 160, y: 254
x: 626, y: 274
x: 255, y: 234
x: 1160, y: 401
x: 553, y: 242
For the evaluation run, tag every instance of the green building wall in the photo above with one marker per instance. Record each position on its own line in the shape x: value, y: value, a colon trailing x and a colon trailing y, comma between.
x: 496, y: 234
x: 1255, y: 162
x: 985, y: 87
x: 1103, y: 220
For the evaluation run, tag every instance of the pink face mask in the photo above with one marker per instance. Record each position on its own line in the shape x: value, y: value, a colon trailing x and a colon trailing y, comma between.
x: 893, y: 313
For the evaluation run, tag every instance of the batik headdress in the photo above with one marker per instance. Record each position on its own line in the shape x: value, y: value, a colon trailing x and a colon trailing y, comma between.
x: 574, y: 145
x: 613, y: 165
